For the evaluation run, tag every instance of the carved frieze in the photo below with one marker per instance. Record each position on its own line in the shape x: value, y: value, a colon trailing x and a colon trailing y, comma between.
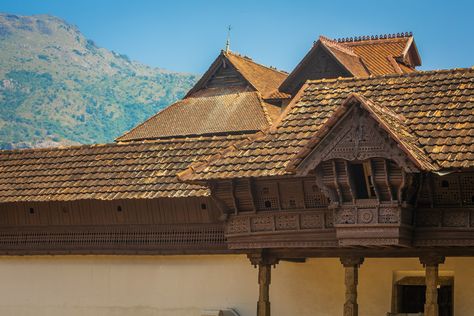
x: 456, y: 219
x: 262, y: 223
x: 286, y: 222
x: 389, y: 215
x: 346, y: 216
x: 312, y: 221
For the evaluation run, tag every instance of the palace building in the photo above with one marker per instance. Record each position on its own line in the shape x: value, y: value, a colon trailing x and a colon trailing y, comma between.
x: 345, y: 187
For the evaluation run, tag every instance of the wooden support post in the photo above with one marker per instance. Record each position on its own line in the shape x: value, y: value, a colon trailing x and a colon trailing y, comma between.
x: 431, y: 263
x: 264, y: 264
x: 351, y: 278
x: 264, y: 279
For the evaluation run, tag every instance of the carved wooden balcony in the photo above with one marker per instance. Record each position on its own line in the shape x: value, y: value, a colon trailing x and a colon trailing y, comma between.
x: 373, y: 224
x: 273, y: 229
x: 444, y: 226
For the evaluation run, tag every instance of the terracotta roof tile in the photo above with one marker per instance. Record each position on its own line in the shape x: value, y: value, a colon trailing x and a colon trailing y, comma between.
x: 438, y: 107
x: 265, y: 79
x: 111, y: 171
x: 346, y: 56
x: 376, y: 53
x: 208, y: 111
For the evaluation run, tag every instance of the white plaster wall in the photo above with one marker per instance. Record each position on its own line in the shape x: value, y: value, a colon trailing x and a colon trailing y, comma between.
x: 185, y: 285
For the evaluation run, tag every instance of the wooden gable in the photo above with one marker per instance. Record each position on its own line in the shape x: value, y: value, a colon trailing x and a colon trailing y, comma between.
x: 319, y: 63
x: 356, y: 132
x: 221, y: 74
x: 226, y: 76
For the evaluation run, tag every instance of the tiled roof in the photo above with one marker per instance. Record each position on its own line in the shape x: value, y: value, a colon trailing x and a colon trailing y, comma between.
x: 437, y: 105
x: 208, y: 111
x: 346, y: 56
x: 363, y: 56
x: 105, y: 172
x: 265, y: 79
x: 376, y: 53
x: 394, y: 124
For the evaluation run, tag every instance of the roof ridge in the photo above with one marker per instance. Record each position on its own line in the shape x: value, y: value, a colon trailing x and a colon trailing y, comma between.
x: 249, y: 59
x: 338, y: 45
x: 411, y: 74
x: 374, y: 37
x: 185, y: 138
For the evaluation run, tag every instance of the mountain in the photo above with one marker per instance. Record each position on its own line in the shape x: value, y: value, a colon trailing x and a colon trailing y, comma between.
x: 58, y: 87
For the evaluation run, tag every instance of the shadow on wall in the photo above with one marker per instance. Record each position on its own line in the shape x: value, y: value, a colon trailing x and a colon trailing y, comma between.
x: 223, y: 312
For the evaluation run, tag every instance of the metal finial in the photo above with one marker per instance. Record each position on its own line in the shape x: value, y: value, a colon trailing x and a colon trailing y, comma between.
x: 227, y: 44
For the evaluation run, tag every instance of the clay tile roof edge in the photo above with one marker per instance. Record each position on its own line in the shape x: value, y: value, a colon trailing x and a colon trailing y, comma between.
x: 412, y: 74
x: 374, y: 37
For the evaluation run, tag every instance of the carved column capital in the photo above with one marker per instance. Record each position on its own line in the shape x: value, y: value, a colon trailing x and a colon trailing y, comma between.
x: 262, y: 258
x: 351, y: 261
x: 432, y: 259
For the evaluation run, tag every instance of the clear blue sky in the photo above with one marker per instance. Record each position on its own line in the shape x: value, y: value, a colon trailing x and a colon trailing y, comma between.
x: 187, y: 35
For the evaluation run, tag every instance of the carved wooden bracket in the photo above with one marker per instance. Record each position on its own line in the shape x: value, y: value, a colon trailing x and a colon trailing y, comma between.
x: 262, y: 258
x: 351, y: 261
x: 432, y: 259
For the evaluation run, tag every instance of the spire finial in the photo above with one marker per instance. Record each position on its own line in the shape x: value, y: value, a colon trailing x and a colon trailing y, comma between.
x: 227, y: 44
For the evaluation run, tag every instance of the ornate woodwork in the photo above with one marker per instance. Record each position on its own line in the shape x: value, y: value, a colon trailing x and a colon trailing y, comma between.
x: 119, y: 239
x: 301, y: 228
x: 356, y: 137
x: 121, y: 226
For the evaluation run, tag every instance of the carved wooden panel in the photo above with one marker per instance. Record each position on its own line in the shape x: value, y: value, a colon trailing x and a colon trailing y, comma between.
x: 117, y: 239
x: 444, y: 227
x: 467, y: 188
x: 292, y: 194
x: 313, y: 196
x: 281, y: 229
x: 381, y: 225
x: 446, y: 190
x: 267, y: 195
x: 356, y: 138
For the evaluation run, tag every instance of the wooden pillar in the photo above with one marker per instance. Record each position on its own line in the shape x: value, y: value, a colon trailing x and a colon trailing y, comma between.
x: 351, y: 278
x: 264, y: 279
x: 431, y: 263
x: 264, y: 264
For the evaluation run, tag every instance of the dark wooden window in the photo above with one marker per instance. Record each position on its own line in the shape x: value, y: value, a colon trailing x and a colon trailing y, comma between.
x: 362, y: 181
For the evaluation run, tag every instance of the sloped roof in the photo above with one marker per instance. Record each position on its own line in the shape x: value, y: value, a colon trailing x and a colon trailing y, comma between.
x: 262, y: 78
x: 105, y: 172
x: 265, y: 79
x: 438, y: 107
x: 376, y: 52
x: 346, y: 57
x: 208, y: 111
x: 366, y: 55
